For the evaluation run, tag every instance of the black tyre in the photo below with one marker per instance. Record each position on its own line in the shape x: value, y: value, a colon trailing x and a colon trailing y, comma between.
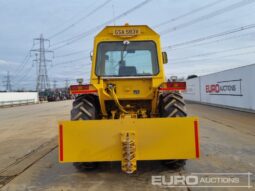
x: 171, y: 104
x: 174, y: 164
x: 85, y: 107
x: 85, y: 166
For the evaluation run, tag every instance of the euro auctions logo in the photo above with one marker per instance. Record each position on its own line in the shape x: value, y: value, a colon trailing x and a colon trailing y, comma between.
x: 213, y: 88
x: 231, y: 87
x: 223, y: 180
x: 217, y: 88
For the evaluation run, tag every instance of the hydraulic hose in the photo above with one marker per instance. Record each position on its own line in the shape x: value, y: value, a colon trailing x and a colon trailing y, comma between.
x: 115, y: 98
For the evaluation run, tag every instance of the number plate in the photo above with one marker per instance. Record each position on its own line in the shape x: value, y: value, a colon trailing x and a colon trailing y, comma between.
x: 126, y: 32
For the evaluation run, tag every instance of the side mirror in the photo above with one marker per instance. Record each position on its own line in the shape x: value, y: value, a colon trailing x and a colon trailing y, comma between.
x: 164, y: 56
x: 91, y: 55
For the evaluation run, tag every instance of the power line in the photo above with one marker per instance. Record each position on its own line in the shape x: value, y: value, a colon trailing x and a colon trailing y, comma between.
x: 215, y: 41
x: 69, y: 20
x: 94, y: 29
x: 22, y: 67
x: 23, y: 63
x: 81, y: 19
x: 89, y: 32
x: 189, y: 13
x: 21, y: 79
x: 71, y: 61
x: 214, y: 53
x: 235, y: 30
x: 208, y: 59
x: 72, y: 53
x: 210, y: 15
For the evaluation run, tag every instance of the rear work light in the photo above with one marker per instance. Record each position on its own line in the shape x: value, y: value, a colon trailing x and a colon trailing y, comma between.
x: 173, y: 86
x: 82, y: 89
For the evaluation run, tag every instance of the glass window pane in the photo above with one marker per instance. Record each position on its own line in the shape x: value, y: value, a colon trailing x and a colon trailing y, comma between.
x: 132, y: 59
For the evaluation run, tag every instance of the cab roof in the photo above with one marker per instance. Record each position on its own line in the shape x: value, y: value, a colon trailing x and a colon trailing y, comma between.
x: 127, y: 32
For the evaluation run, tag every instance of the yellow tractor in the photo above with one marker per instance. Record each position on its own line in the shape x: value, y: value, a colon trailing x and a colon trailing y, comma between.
x: 128, y: 112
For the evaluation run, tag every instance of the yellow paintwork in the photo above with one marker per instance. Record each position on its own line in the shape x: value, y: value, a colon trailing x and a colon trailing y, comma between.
x: 156, y: 139
x: 148, y: 86
x: 128, y: 138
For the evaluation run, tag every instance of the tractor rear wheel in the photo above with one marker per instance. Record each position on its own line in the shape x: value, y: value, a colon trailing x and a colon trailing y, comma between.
x: 85, y: 107
x: 171, y: 104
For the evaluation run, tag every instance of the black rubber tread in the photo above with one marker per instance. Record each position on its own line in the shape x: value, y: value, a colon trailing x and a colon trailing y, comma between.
x: 171, y: 104
x: 85, y: 166
x: 174, y: 164
x: 85, y: 107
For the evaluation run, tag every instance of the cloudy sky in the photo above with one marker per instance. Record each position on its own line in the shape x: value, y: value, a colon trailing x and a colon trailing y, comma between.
x: 200, y: 37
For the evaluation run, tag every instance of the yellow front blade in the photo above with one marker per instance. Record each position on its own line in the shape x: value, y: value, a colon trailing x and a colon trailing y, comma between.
x: 155, y: 139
